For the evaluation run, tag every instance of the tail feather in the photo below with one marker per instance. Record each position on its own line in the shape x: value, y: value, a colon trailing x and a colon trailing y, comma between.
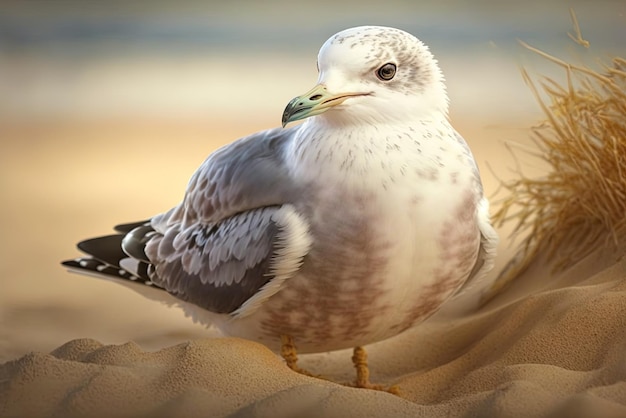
x: 134, y: 242
x: 136, y: 267
x: 107, y: 248
x: 119, y: 256
x: 97, y: 268
x: 126, y: 228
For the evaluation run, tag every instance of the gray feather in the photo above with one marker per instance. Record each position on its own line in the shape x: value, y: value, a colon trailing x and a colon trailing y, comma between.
x: 249, y: 173
x: 210, y: 266
x: 217, y: 248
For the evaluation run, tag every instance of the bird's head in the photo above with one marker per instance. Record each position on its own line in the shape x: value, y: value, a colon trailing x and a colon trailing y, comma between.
x: 370, y: 74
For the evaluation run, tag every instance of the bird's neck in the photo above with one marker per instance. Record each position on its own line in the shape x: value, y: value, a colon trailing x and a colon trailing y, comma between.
x: 356, y: 153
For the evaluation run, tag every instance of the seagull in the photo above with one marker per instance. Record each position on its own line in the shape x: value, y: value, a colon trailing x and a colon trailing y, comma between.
x: 344, y: 230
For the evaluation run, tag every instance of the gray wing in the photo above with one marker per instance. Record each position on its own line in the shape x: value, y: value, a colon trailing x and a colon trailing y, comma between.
x: 233, y: 265
x: 246, y: 174
x: 233, y: 240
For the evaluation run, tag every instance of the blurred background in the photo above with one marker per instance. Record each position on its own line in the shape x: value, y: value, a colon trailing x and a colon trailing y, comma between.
x: 194, y: 58
x: 107, y: 108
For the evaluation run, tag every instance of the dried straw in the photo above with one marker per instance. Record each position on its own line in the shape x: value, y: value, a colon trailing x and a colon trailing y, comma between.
x: 580, y: 204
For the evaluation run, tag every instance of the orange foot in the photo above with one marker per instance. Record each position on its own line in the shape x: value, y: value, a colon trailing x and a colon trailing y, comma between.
x: 289, y: 353
x: 359, y: 358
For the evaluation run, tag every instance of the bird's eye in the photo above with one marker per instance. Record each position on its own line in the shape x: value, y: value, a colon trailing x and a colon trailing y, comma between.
x: 386, y: 72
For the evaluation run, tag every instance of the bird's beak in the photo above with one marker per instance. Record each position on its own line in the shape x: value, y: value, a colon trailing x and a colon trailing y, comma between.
x: 317, y: 100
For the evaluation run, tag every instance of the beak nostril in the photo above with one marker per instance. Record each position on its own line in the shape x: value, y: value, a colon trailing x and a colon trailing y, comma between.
x: 315, y: 97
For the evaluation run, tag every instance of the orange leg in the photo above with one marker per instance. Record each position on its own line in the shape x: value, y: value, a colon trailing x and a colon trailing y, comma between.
x: 359, y: 359
x: 289, y: 353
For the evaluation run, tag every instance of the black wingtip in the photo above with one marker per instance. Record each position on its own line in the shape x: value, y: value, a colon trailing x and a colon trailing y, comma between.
x: 107, y: 248
x: 96, y: 268
x: 90, y: 265
x: 126, y: 228
x: 134, y: 242
x: 70, y: 263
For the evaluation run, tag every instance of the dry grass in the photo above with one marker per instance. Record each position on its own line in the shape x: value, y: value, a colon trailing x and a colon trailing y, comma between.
x: 580, y: 204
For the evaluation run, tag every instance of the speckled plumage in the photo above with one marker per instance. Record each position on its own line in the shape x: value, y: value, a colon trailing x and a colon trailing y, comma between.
x: 339, y: 232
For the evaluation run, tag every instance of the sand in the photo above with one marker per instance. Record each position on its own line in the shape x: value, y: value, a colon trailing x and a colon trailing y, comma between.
x: 552, y: 344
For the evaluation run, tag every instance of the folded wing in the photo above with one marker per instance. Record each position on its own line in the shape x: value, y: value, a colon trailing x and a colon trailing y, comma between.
x: 229, y: 245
